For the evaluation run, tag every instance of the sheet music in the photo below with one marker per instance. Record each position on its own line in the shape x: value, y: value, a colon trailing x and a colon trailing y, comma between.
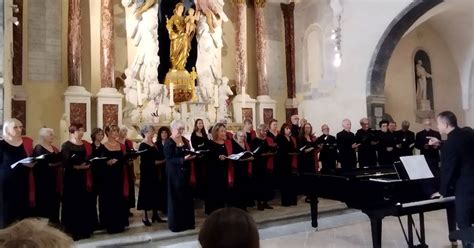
x: 416, y: 167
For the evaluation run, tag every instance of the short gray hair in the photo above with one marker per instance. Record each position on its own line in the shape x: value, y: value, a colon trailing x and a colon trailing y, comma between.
x: 44, y: 131
x: 145, y: 129
x: 238, y: 133
x: 176, y: 124
x: 8, y: 124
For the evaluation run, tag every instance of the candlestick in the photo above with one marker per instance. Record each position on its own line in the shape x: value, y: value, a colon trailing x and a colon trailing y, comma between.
x: 216, y: 96
x: 139, y: 93
x: 171, y: 94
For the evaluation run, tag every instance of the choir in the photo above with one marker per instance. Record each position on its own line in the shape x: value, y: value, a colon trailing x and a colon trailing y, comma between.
x: 89, y: 186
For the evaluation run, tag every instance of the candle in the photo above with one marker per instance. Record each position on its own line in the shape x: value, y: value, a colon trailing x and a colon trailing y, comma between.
x: 139, y: 93
x: 171, y: 94
x: 216, y: 96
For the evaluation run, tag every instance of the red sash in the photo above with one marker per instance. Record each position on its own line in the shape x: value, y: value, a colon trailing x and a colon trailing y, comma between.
x: 229, y: 136
x: 59, y: 175
x: 89, y: 181
x: 294, y: 158
x: 28, y: 146
x: 270, y: 158
x: 129, y: 143
x: 125, y: 185
x: 253, y: 134
x: 249, y: 165
x: 230, y: 167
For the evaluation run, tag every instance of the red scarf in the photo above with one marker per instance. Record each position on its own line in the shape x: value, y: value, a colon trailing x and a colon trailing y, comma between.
x: 229, y: 136
x: 270, y: 143
x: 89, y: 182
x: 28, y: 147
x: 125, y: 184
x: 230, y: 167
x: 294, y: 158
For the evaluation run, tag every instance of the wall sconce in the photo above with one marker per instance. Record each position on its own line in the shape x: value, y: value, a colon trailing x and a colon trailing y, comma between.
x: 15, y: 21
x: 15, y: 8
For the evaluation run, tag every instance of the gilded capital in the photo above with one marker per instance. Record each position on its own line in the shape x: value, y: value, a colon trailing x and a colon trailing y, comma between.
x: 260, y: 3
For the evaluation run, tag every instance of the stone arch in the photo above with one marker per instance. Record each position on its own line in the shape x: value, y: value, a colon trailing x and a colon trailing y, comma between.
x: 383, y: 52
x: 313, y: 55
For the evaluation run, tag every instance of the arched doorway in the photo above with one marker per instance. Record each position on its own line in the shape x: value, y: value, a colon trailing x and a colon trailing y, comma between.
x: 381, y: 57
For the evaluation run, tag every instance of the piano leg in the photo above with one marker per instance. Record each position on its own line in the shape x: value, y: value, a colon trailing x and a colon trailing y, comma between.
x: 451, y: 215
x: 422, y: 231
x: 376, y: 226
x: 314, y: 210
x: 410, y: 230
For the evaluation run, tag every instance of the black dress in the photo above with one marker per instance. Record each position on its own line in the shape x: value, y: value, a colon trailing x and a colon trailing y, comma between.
x: 306, y: 160
x: 97, y: 168
x: 79, y: 212
x: 328, y: 153
x: 14, y: 185
x: 287, y: 180
x: 130, y: 175
x: 217, y: 184
x: 240, y: 191
x: 150, y: 194
x: 263, y: 178
x: 199, y: 144
x: 367, y: 149
x: 112, y: 197
x: 386, y: 141
x: 180, y: 194
x: 48, y: 184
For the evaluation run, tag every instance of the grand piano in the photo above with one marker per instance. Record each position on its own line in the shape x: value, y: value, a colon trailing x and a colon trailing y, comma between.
x: 379, y: 192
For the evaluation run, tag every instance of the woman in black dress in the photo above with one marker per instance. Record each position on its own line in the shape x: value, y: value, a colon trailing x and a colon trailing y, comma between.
x: 114, y: 191
x: 78, y: 212
x: 178, y: 168
x: 16, y: 199
x: 308, y: 158
x: 242, y: 172
x: 122, y: 138
x: 217, y: 169
x: 48, y: 177
x: 261, y: 173
x: 200, y: 142
x: 164, y: 134
x: 285, y: 167
x: 273, y: 129
x: 97, y: 168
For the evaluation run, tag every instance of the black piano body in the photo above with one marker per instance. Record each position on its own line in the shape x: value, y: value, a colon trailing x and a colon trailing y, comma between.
x: 377, y: 192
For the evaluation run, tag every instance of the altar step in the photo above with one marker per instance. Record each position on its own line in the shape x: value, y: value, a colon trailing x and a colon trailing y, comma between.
x: 284, y: 222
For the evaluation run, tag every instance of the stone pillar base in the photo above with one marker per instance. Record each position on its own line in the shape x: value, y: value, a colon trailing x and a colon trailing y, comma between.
x: 375, y: 109
x: 291, y: 106
x: 266, y: 109
x: 243, y: 107
x: 77, y: 109
x: 109, y: 107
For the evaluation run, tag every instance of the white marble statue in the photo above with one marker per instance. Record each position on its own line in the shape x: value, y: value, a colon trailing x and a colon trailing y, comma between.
x: 422, y: 75
x: 64, y: 128
x: 224, y: 93
x: 142, y: 74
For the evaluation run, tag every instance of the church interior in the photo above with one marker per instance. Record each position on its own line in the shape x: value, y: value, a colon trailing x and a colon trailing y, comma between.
x: 150, y: 62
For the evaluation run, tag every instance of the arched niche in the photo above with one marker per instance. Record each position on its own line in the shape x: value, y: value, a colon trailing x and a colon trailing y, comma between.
x: 421, y: 56
x: 313, y: 64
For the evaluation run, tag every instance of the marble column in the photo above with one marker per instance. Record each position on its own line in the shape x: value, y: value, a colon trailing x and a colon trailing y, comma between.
x: 109, y: 100
x: 265, y: 105
x: 18, y: 92
x: 77, y: 100
x: 289, y: 21
x: 243, y: 105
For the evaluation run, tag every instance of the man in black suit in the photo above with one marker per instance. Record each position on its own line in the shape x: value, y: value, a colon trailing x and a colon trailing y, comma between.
x: 367, y: 150
x: 328, y: 150
x: 457, y: 166
x: 431, y: 152
x: 346, y: 145
x: 406, y: 139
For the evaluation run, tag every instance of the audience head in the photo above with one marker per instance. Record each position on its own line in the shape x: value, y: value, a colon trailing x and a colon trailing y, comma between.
x: 46, y: 135
x: 447, y: 121
x: 12, y: 128
x: 199, y: 127
x: 273, y: 125
x: 111, y: 131
x: 240, y: 136
x: 383, y: 124
x: 248, y: 125
x: 346, y: 125
x: 77, y: 131
x: 405, y: 125
x: 147, y: 131
x: 295, y: 120
x: 33, y: 233
x: 97, y: 135
x: 285, y: 129
x: 177, y: 128
x: 164, y: 133
x: 219, y: 132
x: 325, y: 129
x: 229, y: 228
x: 427, y: 124
x: 364, y: 123
x: 392, y: 126
x: 223, y: 121
x: 261, y: 131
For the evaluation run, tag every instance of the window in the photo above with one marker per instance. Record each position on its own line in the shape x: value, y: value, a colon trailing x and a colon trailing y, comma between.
x: 313, y: 55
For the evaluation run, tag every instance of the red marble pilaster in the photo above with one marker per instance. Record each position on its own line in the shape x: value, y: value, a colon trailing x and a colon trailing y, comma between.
x: 74, y: 45
x: 261, y: 47
x: 17, y: 60
x: 107, y: 59
x: 78, y: 114
x: 240, y: 44
x: 110, y: 114
x: 288, y: 17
